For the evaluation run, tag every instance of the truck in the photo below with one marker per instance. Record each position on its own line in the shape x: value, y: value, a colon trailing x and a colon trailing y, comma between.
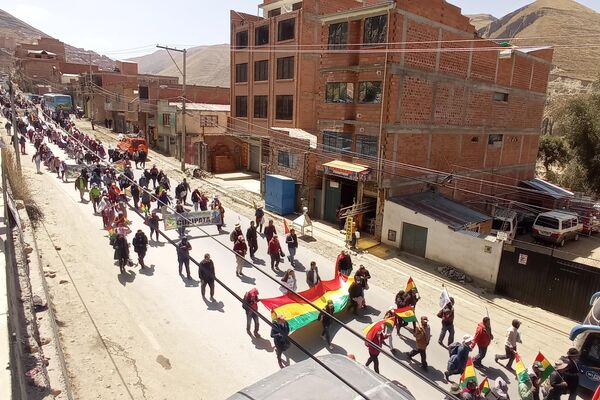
x: 131, y: 144
x: 504, y: 223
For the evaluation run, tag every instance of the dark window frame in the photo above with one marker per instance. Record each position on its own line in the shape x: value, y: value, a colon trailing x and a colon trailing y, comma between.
x: 337, y: 92
x: 285, y: 159
x: 495, y: 138
x: 284, y: 107
x: 337, y: 142
x: 261, y: 106
x: 366, y: 95
x: 375, y: 29
x: 143, y: 92
x: 284, y: 31
x: 241, y: 39
x: 501, y: 97
x: 209, y: 121
x: 338, y: 36
x: 241, y: 73
x: 367, y: 145
x: 241, y: 106
x: 260, y: 36
x: 261, y: 70
x: 274, y: 13
x: 285, y: 68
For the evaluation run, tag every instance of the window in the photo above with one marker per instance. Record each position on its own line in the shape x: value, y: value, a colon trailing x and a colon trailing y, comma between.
x: 391, y: 235
x: 500, y: 96
x: 284, y: 107
x: 338, y: 35
x: 375, y: 29
x: 286, y: 29
x: 284, y: 159
x: 337, y: 142
x: 241, y: 73
x: 296, y: 6
x: 366, y: 145
x: 241, y: 106
x: 261, y: 35
x: 241, y: 40
x: 590, y: 351
x: 260, y: 106
x: 566, y: 224
x: 166, y: 119
x: 339, y: 92
x: 285, y: 68
x: 495, y: 139
x: 369, y: 92
x: 143, y: 92
x: 474, y: 139
x: 275, y: 12
x: 547, y: 222
x: 209, y: 120
x: 261, y: 70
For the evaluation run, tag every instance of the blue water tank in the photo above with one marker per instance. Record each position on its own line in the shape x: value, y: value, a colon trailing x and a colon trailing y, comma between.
x: 280, y: 194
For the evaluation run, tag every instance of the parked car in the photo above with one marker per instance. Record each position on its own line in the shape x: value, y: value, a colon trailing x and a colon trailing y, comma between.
x: 505, y: 220
x: 308, y: 380
x: 556, y: 227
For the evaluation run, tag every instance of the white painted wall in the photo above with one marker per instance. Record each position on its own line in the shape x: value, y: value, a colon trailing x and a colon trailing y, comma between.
x: 444, y: 245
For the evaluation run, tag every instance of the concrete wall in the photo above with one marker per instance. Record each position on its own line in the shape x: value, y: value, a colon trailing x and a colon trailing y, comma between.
x: 477, y: 257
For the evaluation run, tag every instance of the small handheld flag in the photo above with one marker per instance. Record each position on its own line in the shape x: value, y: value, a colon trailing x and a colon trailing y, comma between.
x: 410, y: 284
x: 520, y: 370
x: 406, y: 313
x: 546, y: 366
x: 468, y: 374
x: 286, y: 229
x: 484, y: 388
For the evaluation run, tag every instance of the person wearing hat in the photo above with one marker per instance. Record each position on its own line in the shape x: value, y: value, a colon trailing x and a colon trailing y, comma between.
x: 471, y: 392
x: 280, y: 332
x: 259, y: 215
x: 571, y: 374
x: 555, y: 384
x: 459, y: 356
x: 510, y: 346
x: 500, y: 389
x: 240, y: 248
x: 535, y: 376
x: 236, y: 233
x: 422, y: 334
x: 455, y: 391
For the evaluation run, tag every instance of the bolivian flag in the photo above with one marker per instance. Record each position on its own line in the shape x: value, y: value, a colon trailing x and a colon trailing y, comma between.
x: 410, y: 284
x: 484, y: 388
x: 298, y: 313
x: 468, y: 374
x: 372, y: 329
x: 406, y: 313
x: 548, y: 368
x: 520, y: 370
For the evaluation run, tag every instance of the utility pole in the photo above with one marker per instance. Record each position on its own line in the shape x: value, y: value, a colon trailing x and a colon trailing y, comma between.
x: 13, y: 110
x: 91, y: 94
x: 183, y: 108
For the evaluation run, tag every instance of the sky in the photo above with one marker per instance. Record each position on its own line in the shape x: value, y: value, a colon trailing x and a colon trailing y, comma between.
x: 126, y: 28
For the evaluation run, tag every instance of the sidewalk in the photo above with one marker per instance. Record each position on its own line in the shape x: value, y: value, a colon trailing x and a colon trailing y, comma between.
x: 5, y: 366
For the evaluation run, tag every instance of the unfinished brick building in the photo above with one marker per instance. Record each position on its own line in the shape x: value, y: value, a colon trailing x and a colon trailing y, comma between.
x: 400, y: 88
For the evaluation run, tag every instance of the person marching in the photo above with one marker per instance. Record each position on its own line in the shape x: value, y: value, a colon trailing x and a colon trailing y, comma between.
x: 483, y: 337
x: 183, y: 256
x: 343, y: 263
x: 292, y: 244
x: 422, y: 335
x: 280, y: 332
x: 274, y: 251
x: 378, y: 339
x: 312, y: 276
x: 140, y: 246
x: 240, y: 250
x: 259, y: 215
x: 459, y: 355
x: 270, y: 231
x: 325, y: 318
x: 206, y: 273
x: 135, y: 194
x: 571, y: 373
x: 289, y: 281
x: 510, y: 346
x: 447, y: 316
x: 153, y: 224
x: 252, y: 239
x: 196, y: 195
x: 121, y: 251
x: 80, y: 185
x: 251, y: 308
x: 95, y: 195
x: 37, y: 159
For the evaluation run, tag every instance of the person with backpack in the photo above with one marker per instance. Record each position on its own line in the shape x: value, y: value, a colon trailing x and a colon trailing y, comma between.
x: 183, y: 256
x: 250, y: 305
x: 447, y: 316
x: 140, y: 246
x: 459, y: 355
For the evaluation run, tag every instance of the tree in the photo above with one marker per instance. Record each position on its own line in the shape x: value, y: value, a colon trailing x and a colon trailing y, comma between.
x: 553, y: 151
x: 579, y: 122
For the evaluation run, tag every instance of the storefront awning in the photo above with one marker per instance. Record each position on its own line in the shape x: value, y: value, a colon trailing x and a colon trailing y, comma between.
x: 346, y: 170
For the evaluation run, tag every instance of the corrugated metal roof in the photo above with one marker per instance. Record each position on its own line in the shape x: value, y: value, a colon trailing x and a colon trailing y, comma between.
x: 203, y: 107
x: 300, y: 134
x: 442, y: 209
x: 346, y: 166
x: 548, y: 188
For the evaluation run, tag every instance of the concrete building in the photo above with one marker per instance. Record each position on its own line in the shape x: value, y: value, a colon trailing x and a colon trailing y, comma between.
x: 392, y: 90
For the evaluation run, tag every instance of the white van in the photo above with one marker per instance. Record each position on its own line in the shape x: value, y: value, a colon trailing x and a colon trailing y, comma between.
x: 505, y: 221
x: 556, y: 227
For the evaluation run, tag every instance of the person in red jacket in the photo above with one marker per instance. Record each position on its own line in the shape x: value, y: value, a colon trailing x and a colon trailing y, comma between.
x: 274, y: 250
x: 483, y: 338
x: 240, y: 248
x: 374, y: 352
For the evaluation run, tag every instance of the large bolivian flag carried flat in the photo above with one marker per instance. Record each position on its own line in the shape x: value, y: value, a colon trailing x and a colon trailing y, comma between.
x: 298, y: 313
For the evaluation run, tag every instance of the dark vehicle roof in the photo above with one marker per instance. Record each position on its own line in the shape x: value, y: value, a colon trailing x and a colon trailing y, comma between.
x: 308, y: 380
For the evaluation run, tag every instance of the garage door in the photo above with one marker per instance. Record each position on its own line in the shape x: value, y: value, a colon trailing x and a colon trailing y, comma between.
x: 254, y: 158
x: 414, y: 239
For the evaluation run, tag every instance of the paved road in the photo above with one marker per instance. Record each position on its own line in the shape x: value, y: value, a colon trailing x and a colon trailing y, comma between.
x: 157, y: 316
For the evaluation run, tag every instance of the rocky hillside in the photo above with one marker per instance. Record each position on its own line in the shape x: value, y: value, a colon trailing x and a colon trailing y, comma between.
x: 480, y: 21
x: 206, y: 65
x: 569, y: 26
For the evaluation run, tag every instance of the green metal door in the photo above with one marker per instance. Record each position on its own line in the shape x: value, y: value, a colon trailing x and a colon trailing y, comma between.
x: 333, y: 196
x: 414, y: 239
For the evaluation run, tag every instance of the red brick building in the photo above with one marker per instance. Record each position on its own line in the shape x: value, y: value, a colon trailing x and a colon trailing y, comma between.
x: 399, y: 88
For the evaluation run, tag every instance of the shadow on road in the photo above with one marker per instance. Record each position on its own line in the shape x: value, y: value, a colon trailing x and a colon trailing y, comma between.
x: 261, y: 343
x: 148, y: 271
x: 215, y: 305
x: 248, y: 280
x: 154, y: 243
x: 127, y: 277
x: 298, y: 266
x: 189, y: 282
